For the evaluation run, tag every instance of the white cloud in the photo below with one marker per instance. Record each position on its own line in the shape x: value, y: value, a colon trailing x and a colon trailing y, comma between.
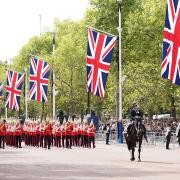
x: 19, y: 20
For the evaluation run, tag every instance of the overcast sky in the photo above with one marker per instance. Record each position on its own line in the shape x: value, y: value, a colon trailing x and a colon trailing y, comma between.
x: 19, y: 20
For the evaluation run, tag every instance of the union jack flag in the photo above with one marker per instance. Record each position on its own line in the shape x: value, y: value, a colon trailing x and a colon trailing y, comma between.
x: 39, y: 74
x: 171, y: 43
x: 99, y: 54
x: 1, y: 90
x: 13, y: 89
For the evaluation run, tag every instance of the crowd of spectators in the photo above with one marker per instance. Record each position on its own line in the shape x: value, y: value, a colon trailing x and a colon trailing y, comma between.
x: 151, y: 125
x: 160, y: 125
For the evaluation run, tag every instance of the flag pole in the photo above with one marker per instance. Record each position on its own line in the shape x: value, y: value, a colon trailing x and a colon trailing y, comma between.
x: 6, y: 113
x: 42, y: 113
x: 88, y: 102
x: 40, y: 24
x: 6, y: 110
x: 26, y: 105
x: 53, y: 77
x: 120, y: 61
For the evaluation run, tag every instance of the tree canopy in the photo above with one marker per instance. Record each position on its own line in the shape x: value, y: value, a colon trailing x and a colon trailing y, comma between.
x: 142, y: 23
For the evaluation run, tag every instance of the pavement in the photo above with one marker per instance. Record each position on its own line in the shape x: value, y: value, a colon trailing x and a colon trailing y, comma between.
x: 105, y: 162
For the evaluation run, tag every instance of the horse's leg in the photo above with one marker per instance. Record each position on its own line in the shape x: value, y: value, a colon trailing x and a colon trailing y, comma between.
x: 139, y: 150
x: 132, y: 152
x: 133, y: 157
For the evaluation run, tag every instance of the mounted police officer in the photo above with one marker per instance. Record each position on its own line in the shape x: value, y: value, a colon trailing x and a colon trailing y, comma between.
x: 136, y: 115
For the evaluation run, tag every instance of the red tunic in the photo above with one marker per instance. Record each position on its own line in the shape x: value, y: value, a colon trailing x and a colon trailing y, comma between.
x: 85, y: 128
x: 48, y: 129
x: 58, y: 131
x: 69, y: 130
x: 18, y: 130
x: 92, y: 131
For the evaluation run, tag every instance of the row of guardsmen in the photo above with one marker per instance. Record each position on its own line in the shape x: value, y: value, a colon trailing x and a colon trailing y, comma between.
x: 47, y: 133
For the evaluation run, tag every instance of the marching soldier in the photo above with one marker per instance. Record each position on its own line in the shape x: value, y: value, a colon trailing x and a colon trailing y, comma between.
x: 85, y: 134
x: 63, y: 131
x: 91, y: 134
x: 75, y: 134
x: 69, y: 129
x: 13, y: 133
x: 58, y: 134
x: 48, y: 133
x: 79, y: 132
x: 38, y: 133
x: 2, y: 134
x: 18, y: 135
x: 42, y: 135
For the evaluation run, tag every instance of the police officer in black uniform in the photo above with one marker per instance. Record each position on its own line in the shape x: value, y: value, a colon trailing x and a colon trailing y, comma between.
x: 136, y: 115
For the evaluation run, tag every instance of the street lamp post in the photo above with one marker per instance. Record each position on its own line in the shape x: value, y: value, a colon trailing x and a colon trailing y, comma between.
x: 120, y: 66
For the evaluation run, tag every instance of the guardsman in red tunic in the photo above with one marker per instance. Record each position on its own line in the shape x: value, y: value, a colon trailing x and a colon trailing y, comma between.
x: 48, y: 133
x: 33, y: 134
x: 69, y: 129
x: 18, y: 134
x: 25, y: 132
x: 58, y: 135
x: 63, y: 131
x: 53, y: 137
x: 2, y: 134
x: 75, y: 130
x: 85, y: 134
x: 79, y: 133
x: 7, y: 133
x: 91, y: 134
x: 42, y: 128
x: 54, y: 133
x: 13, y: 133
x: 73, y: 133
x: 37, y: 133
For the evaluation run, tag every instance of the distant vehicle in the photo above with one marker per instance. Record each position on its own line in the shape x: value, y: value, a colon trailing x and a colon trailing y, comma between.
x: 161, y: 116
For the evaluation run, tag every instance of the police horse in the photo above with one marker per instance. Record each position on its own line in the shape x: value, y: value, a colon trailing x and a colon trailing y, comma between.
x: 134, y: 133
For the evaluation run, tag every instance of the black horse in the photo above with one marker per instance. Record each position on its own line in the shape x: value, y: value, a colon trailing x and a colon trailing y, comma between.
x: 133, y: 136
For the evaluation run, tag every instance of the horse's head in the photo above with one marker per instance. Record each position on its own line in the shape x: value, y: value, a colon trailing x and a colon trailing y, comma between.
x: 140, y: 130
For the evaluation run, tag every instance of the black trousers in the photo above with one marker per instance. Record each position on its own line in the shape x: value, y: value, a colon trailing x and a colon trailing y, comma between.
x: 179, y: 140
x: 79, y: 140
x: 85, y: 143
x: 168, y: 138
x: 2, y: 141
x: 63, y: 139
x: 47, y: 141
x: 18, y: 141
x: 92, y: 139
x: 41, y: 140
x: 68, y: 141
x: 58, y: 141
x: 107, y: 138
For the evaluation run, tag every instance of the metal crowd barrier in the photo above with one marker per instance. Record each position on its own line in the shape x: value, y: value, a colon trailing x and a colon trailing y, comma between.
x: 159, y: 139
x: 154, y: 138
x: 101, y: 136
